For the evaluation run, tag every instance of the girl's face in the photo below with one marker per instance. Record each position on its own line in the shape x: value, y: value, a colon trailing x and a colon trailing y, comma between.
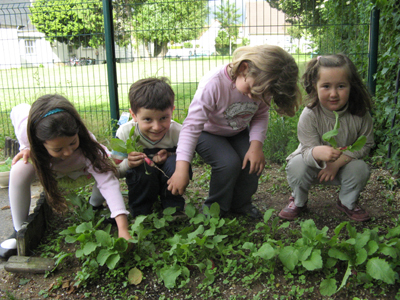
x: 243, y: 84
x: 333, y: 87
x: 153, y: 123
x: 62, y: 147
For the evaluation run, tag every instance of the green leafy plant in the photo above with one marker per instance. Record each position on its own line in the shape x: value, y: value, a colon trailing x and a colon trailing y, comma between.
x: 330, y: 138
x: 6, y: 166
x: 131, y: 145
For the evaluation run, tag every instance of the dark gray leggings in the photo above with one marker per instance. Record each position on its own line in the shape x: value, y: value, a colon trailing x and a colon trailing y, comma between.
x: 230, y: 186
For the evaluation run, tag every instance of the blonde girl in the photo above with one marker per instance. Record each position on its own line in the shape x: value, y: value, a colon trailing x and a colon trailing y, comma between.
x: 227, y: 124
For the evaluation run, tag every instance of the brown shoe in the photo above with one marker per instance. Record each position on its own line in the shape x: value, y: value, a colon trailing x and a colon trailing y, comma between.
x: 291, y: 211
x: 356, y: 214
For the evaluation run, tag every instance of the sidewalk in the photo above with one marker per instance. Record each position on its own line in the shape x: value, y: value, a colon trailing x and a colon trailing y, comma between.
x: 6, y: 227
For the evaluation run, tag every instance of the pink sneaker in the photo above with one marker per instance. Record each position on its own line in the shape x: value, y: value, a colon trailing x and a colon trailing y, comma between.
x: 356, y: 214
x: 291, y: 211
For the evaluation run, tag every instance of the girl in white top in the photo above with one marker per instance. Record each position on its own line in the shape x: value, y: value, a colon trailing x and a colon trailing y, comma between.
x: 54, y: 138
x: 227, y: 124
x: 332, y: 84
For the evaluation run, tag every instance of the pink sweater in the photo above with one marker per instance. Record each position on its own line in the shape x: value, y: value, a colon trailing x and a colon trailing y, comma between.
x: 218, y: 108
x: 74, y: 166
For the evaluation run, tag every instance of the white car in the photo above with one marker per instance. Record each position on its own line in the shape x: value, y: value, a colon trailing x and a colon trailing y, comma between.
x: 179, y: 53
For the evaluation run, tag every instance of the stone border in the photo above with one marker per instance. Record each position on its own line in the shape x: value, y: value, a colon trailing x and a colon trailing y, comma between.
x: 32, y: 231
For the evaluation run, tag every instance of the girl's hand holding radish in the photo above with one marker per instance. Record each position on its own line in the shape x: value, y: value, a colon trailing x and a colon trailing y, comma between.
x: 326, y: 153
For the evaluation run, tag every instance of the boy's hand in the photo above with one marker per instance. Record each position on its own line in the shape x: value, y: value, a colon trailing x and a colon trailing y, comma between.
x: 256, y: 157
x: 160, y: 157
x: 135, y: 159
x: 180, y: 179
x: 24, y: 154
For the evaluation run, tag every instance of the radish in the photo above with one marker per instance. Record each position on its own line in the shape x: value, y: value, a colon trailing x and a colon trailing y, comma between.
x: 152, y: 164
x: 149, y: 162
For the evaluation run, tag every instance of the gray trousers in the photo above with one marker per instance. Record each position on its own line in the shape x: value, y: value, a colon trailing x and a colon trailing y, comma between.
x: 352, y: 178
x: 230, y: 186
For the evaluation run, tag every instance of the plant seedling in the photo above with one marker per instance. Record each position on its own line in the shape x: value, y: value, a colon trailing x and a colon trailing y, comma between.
x: 128, y: 147
x: 330, y: 138
x: 6, y: 166
x: 131, y: 145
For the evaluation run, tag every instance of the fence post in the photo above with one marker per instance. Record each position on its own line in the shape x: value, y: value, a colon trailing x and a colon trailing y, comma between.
x: 111, y: 61
x: 373, y: 50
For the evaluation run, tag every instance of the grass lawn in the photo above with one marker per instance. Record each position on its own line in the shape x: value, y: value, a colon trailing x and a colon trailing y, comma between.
x: 87, y: 86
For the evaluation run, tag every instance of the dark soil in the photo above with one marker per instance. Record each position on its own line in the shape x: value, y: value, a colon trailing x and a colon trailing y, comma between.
x: 382, y: 204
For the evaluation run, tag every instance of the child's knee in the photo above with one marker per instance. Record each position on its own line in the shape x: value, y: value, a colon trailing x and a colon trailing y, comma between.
x: 358, y: 170
x: 21, y: 172
x: 296, y: 168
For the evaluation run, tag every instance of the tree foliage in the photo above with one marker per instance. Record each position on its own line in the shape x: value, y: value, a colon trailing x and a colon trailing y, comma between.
x: 72, y: 22
x: 162, y: 21
x: 228, y: 17
x: 81, y: 23
x: 387, y: 111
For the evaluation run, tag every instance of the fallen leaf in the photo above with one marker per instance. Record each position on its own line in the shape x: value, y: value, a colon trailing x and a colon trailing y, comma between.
x: 65, y: 284
x: 135, y: 276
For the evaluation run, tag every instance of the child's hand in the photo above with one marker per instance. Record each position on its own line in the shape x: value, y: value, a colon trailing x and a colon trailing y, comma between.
x: 24, y: 154
x: 160, y: 157
x: 135, y: 159
x: 326, y: 153
x: 122, y: 224
x: 329, y: 173
x: 180, y: 179
x: 256, y: 157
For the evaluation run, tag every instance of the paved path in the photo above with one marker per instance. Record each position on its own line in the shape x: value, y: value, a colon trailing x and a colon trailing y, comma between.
x: 6, y: 226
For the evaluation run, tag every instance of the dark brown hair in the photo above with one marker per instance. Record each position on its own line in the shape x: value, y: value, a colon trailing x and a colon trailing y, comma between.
x: 359, y: 99
x: 66, y: 122
x: 151, y: 93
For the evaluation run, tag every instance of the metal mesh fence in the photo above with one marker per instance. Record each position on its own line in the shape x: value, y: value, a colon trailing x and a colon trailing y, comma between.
x: 59, y: 46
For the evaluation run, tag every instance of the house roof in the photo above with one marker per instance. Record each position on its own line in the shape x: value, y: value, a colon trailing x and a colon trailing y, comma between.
x: 15, y: 13
x: 262, y: 19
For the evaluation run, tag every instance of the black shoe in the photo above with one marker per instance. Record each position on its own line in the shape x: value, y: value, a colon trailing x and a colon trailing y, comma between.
x: 6, y: 253
x: 252, y: 212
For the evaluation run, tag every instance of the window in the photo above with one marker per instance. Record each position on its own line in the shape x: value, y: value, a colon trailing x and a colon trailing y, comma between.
x: 30, y: 47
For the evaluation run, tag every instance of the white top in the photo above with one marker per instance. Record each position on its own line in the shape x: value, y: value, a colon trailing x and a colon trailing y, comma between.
x: 169, y: 140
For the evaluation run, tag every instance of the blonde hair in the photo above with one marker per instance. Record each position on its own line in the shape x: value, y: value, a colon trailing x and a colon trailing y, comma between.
x: 275, y: 75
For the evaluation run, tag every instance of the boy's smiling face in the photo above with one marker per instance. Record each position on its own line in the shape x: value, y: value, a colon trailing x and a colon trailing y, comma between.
x: 153, y: 123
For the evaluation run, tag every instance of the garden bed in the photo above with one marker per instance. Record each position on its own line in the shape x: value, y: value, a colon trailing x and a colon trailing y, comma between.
x: 234, y: 276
